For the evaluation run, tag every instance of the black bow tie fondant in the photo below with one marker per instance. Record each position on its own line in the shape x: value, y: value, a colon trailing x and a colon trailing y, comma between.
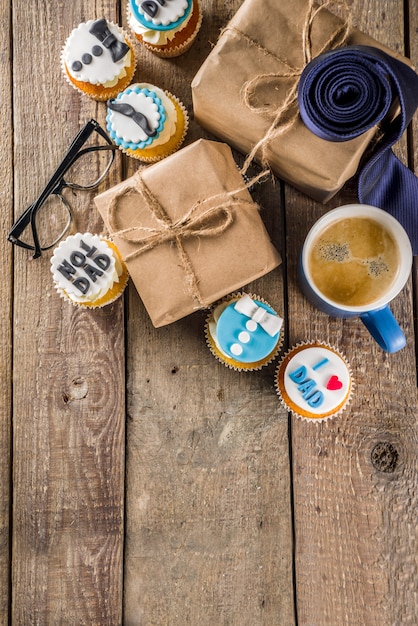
x: 118, y: 49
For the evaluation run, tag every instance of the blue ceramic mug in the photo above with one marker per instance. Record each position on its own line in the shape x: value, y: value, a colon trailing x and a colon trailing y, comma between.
x: 354, y: 261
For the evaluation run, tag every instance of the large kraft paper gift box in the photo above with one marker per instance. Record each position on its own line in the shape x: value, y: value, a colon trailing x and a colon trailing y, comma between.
x: 262, y: 44
x: 188, y: 230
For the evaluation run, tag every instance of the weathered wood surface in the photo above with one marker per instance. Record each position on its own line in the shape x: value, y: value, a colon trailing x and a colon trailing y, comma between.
x: 150, y: 484
x: 355, y: 521
x: 69, y: 366
x: 6, y: 295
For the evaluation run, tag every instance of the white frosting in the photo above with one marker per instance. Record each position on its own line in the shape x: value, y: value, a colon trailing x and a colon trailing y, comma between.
x: 85, y: 280
x: 125, y: 127
x: 170, y: 12
x: 102, y: 70
x: 213, y: 320
x: 155, y: 37
x: 117, y: 120
x: 313, y: 369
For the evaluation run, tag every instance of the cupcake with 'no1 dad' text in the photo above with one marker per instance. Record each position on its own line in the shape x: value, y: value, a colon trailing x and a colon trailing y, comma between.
x: 88, y: 270
x: 244, y: 332
x: 314, y: 381
x: 166, y: 27
x: 98, y: 59
x: 146, y: 122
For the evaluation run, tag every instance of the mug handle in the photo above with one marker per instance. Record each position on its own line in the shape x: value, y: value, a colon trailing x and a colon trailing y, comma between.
x: 384, y: 328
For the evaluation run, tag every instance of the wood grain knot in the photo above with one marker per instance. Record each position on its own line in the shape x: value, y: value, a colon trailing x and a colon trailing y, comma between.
x: 78, y: 391
x: 385, y: 457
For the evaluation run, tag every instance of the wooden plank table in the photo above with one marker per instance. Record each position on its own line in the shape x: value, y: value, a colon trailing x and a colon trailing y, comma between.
x: 143, y: 483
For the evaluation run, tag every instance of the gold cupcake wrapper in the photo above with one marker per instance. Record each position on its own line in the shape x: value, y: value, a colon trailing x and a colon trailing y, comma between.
x: 233, y: 363
x: 111, y: 92
x: 170, y: 53
x: 178, y: 50
x: 313, y: 418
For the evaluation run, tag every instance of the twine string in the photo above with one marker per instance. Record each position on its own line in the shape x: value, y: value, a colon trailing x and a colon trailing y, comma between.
x: 196, y: 222
x: 286, y: 114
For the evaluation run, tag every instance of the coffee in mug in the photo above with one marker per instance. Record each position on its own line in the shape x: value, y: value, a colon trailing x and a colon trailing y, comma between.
x: 354, y: 261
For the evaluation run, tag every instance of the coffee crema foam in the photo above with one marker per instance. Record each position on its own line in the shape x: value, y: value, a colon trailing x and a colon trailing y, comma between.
x: 354, y: 261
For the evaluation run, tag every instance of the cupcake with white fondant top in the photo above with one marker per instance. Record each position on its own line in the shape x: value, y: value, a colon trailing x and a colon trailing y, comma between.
x: 314, y: 381
x: 167, y: 28
x: 146, y: 122
x: 98, y: 59
x: 88, y: 270
x: 244, y: 332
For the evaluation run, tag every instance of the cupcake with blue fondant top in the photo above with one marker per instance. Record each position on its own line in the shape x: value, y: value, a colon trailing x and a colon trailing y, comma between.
x: 168, y: 29
x: 146, y: 122
x: 244, y: 332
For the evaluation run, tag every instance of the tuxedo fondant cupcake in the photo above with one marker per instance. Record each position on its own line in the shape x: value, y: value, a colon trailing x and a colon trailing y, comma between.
x: 88, y: 270
x: 167, y: 28
x: 314, y: 381
x: 244, y: 332
x: 146, y: 122
x: 98, y: 59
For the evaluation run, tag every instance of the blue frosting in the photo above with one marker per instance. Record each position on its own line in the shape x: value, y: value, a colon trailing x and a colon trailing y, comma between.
x: 257, y: 345
x: 142, y: 144
x: 150, y: 25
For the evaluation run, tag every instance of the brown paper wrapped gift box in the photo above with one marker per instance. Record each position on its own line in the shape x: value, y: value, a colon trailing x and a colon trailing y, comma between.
x: 188, y: 230
x: 262, y: 43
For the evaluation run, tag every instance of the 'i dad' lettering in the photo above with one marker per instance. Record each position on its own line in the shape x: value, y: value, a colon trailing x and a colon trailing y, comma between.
x: 307, y: 387
x: 86, y: 261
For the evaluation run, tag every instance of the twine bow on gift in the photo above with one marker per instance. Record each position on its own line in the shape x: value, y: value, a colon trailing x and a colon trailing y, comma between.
x: 286, y: 114
x: 196, y: 222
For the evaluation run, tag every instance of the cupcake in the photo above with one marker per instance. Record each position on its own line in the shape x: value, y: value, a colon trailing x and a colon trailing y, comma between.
x: 166, y: 28
x: 244, y: 332
x: 88, y: 270
x: 98, y: 59
x: 314, y: 381
x: 146, y: 122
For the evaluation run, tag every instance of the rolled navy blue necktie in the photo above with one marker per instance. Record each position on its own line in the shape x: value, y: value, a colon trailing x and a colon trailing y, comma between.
x: 345, y: 92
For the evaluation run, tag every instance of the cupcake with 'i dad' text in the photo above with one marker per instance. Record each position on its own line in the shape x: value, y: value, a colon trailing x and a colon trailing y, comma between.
x: 314, y: 381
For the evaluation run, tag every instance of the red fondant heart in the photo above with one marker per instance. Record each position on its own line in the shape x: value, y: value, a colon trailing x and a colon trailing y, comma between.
x: 334, y: 383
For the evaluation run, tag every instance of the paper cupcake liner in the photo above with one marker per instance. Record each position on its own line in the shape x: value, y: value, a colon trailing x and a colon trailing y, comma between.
x: 232, y: 363
x: 291, y: 409
x: 141, y: 155
x: 110, y: 92
x: 168, y: 53
x: 112, y: 295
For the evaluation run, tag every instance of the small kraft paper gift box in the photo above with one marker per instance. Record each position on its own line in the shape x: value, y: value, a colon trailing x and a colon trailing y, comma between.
x: 246, y: 92
x: 188, y: 230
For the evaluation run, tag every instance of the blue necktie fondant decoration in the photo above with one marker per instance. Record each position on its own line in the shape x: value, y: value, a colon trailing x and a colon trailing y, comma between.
x: 345, y: 92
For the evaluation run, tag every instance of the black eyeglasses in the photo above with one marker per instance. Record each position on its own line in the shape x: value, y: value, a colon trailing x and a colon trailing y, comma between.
x: 49, y: 217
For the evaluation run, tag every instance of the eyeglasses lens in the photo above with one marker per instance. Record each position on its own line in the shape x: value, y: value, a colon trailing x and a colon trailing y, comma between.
x: 52, y: 221
x: 90, y: 167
